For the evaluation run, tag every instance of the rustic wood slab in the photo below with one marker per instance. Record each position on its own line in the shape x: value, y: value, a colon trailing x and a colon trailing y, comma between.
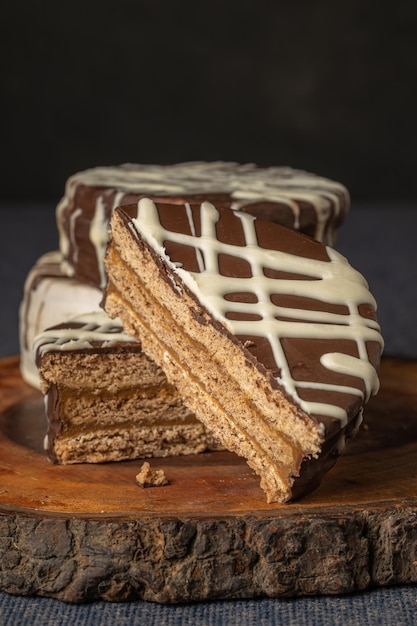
x: 85, y: 532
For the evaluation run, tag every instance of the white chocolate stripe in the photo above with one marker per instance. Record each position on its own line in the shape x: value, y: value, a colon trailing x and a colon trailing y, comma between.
x: 64, y: 242
x: 99, y: 235
x: 74, y: 217
x: 200, y: 260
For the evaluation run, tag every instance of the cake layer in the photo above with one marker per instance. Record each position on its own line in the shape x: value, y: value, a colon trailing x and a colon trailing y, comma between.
x: 270, y: 337
x: 128, y: 441
x: 311, y: 204
x: 49, y: 297
x: 105, y: 400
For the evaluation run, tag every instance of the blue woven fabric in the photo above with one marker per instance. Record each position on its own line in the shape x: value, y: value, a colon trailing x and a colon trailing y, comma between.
x: 380, y: 607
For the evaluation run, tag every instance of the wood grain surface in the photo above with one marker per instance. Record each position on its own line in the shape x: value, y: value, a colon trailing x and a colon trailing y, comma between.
x: 84, y: 532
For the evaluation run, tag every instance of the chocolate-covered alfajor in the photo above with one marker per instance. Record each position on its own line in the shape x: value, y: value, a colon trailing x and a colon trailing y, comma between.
x: 305, y: 202
x: 105, y: 400
x: 270, y: 337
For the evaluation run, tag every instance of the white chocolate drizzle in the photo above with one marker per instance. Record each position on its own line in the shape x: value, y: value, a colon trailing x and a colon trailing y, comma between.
x: 333, y: 282
x: 74, y: 217
x: 91, y: 327
x: 99, y: 235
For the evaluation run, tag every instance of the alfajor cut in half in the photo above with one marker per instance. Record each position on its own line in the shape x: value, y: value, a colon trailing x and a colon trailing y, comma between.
x: 269, y: 336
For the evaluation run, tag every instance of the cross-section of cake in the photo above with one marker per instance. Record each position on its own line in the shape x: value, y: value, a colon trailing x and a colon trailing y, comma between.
x: 105, y: 400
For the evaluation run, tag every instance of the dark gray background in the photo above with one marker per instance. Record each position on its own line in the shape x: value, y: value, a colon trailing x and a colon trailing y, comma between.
x: 326, y: 85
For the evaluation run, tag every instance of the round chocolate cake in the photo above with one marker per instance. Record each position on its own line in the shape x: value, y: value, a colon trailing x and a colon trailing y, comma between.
x: 299, y: 200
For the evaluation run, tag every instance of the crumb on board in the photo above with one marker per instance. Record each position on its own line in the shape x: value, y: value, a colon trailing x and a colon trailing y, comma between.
x: 148, y: 477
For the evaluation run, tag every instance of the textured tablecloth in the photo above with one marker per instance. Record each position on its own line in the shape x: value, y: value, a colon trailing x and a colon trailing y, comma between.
x: 382, y: 607
x: 380, y: 241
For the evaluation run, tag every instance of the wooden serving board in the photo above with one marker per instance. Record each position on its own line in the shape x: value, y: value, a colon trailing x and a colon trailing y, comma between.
x: 84, y: 532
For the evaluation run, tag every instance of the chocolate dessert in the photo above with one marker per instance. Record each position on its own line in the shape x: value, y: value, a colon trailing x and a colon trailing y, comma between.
x: 270, y: 337
x: 299, y: 200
